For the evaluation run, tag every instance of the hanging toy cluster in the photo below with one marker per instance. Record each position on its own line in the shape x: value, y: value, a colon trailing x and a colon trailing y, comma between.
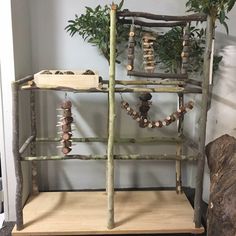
x: 148, y: 52
x: 144, y: 108
x: 65, y: 124
x: 156, y: 124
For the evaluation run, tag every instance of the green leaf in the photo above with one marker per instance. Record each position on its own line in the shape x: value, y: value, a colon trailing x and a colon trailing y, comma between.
x: 230, y: 5
x: 222, y: 16
x: 226, y: 27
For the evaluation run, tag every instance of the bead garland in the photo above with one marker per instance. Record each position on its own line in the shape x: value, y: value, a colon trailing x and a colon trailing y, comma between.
x: 157, y: 124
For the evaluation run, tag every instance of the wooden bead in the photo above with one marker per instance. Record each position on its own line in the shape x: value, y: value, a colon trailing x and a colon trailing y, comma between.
x: 66, y: 128
x: 158, y: 124
x: 129, y: 67
x: 66, y: 105
x: 66, y: 150
x: 66, y: 136
x: 131, y: 34
x: 67, y: 120
x: 185, y: 60
x: 185, y: 54
x: 66, y: 143
x: 67, y: 113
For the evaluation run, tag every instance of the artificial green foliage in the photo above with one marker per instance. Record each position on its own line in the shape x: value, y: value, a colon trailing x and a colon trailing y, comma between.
x: 218, y: 9
x: 94, y: 26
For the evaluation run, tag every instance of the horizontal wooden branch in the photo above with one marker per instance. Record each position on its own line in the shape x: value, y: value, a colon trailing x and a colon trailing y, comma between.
x: 150, y: 82
x: 26, y: 144
x: 187, y: 18
x: 159, y: 90
x: 157, y: 75
x: 153, y: 24
x: 163, y: 157
x: 24, y: 80
x: 123, y: 90
x: 119, y: 140
x: 194, y: 82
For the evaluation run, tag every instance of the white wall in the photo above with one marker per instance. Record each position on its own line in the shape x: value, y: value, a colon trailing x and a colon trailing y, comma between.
x: 15, y: 51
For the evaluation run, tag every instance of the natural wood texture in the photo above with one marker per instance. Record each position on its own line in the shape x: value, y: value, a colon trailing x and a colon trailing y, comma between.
x: 26, y: 144
x: 203, y: 119
x: 24, y: 80
x: 16, y: 155
x: 221, y: 156
x: 157, y: 75
x: 159, y: 90
x: 75, y: 81
x: 82, y: 213
x: 116, y: 157
x: 111, y: 119
x: 120, y: 90
x: 34, y: 171
x: 152, y: 24
x: 150, y: 82
x: 120, y: 140
x: 179, y: 146
x: 187, y: 18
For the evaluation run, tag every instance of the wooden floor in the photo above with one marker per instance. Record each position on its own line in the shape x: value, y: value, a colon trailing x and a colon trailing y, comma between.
x: 84, y: 213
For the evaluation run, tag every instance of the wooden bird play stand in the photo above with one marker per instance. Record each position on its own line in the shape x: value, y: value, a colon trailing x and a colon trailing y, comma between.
x: 114, y: 212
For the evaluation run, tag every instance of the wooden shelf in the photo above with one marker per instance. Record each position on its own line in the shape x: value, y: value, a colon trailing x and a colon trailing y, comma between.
x: 82, y: 213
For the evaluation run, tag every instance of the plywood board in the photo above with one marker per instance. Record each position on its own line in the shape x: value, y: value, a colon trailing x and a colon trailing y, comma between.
x: 84, y: 213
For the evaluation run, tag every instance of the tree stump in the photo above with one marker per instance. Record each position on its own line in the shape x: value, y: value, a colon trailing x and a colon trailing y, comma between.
x: 221, y: 156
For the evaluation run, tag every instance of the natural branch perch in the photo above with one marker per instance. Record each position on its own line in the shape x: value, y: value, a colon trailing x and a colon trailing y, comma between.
x: 164, y: 157
x: 193, y: 17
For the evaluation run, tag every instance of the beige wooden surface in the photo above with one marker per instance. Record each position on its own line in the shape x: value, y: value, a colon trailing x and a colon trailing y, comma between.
x: 84, y: 213
x: 76, y: 81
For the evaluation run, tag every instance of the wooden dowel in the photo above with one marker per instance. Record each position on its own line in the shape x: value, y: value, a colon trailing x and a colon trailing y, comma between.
x: 153, y: 24
x: 172, y: 140
x: 110, y: 144
x: 161, y: 157
x: 187, y: 18
x: 157, y: 75
x: 16, y: 155
x: 26, y: 144
x: 203, y: 119
x: 24, y: 80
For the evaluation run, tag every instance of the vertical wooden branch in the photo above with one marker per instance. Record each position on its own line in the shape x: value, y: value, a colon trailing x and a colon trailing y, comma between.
x: 203, y: 120
x: 33, y: 144
x: 110, y: 158
x: 179, y: 145
x: 17, y: 160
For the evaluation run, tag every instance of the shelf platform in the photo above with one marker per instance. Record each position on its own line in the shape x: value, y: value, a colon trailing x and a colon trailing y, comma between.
x: 84, y: 213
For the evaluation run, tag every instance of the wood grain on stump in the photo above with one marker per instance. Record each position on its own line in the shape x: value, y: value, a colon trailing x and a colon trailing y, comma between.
x: 221, y: 156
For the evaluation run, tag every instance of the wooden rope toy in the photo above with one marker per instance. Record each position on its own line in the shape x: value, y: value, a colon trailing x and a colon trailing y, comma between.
x: 157, y: 124
x: 65, y: 124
